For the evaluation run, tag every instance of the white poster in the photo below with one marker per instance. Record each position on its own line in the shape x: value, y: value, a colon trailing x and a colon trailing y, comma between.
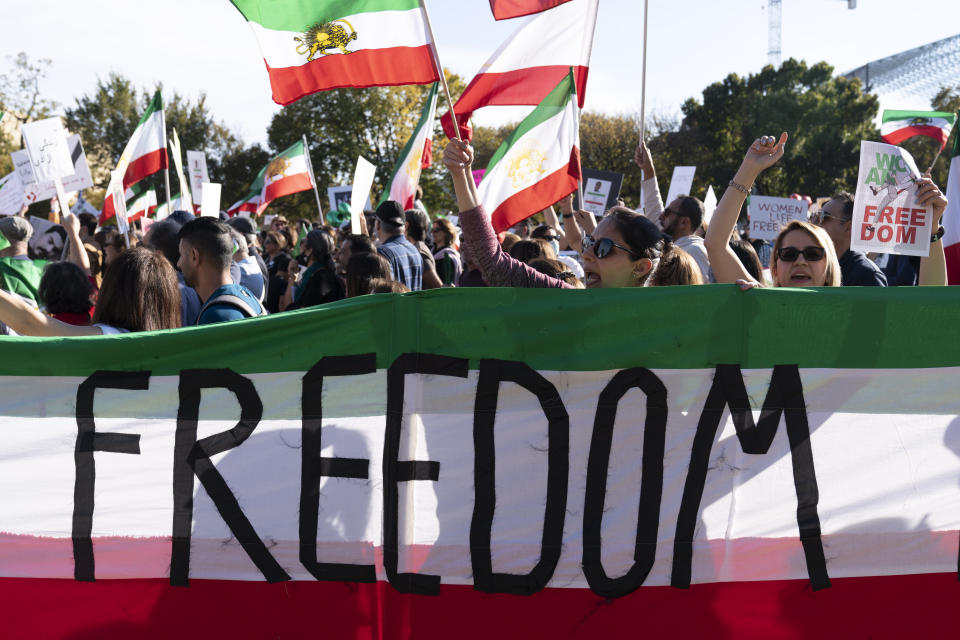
x: 210, y: 205
x: 768, y: 215
x: 709, y: 204
x: 47, y: 241
x: 46, y: 142
x: 595, y: 194
x: 181, y: 177
x: 886, y: 215
x: 11, y: 194
x: 79, y: 180
x: 362, y: 183
x: 681, y: 182
x: 197, y: 170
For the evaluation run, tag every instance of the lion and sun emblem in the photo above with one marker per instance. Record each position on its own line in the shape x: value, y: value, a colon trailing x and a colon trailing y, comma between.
x: 324, y: 36
x: 526, y: 167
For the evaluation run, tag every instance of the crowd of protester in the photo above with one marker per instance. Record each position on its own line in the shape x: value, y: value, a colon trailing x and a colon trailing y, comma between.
x: 186, y: 270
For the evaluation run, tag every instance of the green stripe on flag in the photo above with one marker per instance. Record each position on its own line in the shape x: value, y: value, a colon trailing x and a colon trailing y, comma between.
x: 956, y: 142
x: 555, y: 102
x: 425, y: 115
x: 300, y: 15
x: 156, y: 104
x: 598, y: 330
x: 895, y: 114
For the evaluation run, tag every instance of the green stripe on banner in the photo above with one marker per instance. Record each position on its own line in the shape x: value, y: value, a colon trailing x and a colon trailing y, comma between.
x: 657, y: 328
x: 300, y: 15
x: 897, y: 114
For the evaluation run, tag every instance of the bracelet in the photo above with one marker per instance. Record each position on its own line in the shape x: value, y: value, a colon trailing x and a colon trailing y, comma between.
x: 739, y: 187
x: 937, y: 235
x: 566, y: 215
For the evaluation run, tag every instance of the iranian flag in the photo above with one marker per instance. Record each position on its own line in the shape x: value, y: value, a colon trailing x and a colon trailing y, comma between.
x: 406, y: 174
x: 328, y: 44
x: 145, y: 205
x: 288, y: 173
x: 506, y: 9
x: 951, y: 217
x: 531, y: 62
x: 539, y: 163
x: 900, y: 125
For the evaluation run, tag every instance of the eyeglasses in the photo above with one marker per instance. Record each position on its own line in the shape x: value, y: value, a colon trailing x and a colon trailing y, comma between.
x: 549, y: 238
x: 603, y: 247
x: 810, y: 254
x: 819, y: 217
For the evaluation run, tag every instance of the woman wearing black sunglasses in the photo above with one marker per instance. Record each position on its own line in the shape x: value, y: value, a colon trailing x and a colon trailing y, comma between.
x: 623, y: 251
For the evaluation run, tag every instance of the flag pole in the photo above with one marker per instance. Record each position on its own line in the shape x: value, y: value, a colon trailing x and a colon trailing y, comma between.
x: 313, y: 178
x: 166, y: 170
x: 436, y: 61
x: 643, y: 77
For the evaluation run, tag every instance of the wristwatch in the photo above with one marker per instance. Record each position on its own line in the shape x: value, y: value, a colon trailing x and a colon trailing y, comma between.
x: 937, y: 235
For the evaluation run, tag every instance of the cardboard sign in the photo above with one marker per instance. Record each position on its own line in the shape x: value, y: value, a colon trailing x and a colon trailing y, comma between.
x: 37, y: 192
x: 47, y: 241
x: 46, y: 142
x: 210, y: 205
x: 681, y: 182
x: 768, y: 215
x: 601, y: 189
x: 181, y: 177
x: 709, y: 204
x: 197, y: 170
x: 886, y: 215
x: 362, y: 182
x: 11, y: 194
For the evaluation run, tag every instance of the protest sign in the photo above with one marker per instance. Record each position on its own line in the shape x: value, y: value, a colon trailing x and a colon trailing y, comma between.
x: 768, y: 215
x: 185, y: 196
x: 362, y: 182
x: 680, y: 183
x: 197, y: 168
x: 210, y: 205
x: 46, y: 143
x: 11, y: 194
x: 78, y: 180
x: 709, y: 204
x: 47, y: 241
x: 601, y: 189
x: 438, y: 479
x: 886, y: 215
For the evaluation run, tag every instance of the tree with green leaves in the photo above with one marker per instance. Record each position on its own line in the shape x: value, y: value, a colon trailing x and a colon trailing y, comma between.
x: 21, y: 101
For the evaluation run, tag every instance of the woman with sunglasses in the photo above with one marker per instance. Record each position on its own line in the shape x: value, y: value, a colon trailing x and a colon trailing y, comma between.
x: 623, y: 250
x: 803, y: 254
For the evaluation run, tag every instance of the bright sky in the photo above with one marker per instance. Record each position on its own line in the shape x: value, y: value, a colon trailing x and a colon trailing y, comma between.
x: 205, y: 45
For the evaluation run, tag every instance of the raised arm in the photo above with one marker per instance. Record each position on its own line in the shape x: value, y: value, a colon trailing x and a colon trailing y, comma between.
x: 27, y: 321
x: 933, y: 268
x: 572, y: 232
x: 75, y: 252
x: 652, y: 203
x: 763, y: 153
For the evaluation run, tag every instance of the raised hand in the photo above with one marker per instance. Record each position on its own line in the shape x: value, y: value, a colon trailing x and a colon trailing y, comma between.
x: 929, y: 195
x: 643, y: 159
x: 764, y: 153
x: 458, y: 156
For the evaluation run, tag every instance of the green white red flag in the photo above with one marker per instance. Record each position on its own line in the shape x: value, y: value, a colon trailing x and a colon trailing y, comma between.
x: 329, y: 44
x: 898, y: 125
x: 287, y: 173
x: 951, y: 216
x: 406, y: 174
x: 539, y: 163
x: 144, y: 206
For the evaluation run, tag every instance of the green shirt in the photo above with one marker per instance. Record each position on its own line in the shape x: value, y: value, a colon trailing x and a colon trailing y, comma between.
x: 21, y: 276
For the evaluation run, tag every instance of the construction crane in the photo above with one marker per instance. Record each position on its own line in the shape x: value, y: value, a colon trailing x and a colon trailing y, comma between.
x: 775, y: 21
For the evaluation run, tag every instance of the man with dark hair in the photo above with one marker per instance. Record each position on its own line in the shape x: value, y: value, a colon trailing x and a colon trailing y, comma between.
x: 417, y: 224
x: 88, y: 227
x: 164, y: 236
x: 353, y: 245
x: 206, y: 254
x: 856, y: 269
x: 405, y: 261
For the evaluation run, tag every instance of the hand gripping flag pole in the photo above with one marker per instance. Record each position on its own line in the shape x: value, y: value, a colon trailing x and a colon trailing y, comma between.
x: 436, y: 60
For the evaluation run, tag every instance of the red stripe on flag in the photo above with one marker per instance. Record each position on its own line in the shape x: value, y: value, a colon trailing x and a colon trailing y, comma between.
x: 900, y: 135
x: 544, y: 193
x: 366, y: 68
x: 518, y: 87
x: 284, y: 187
x: 506, y: 9
x: 144, y: 166
x: 910, y: 606
x: 952, y: 253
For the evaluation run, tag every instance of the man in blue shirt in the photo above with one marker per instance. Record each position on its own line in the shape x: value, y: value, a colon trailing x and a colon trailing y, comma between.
x: 206, y: 253
x: 405, y: 261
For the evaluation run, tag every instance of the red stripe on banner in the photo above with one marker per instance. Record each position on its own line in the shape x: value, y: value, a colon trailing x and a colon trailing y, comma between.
x: 913, y: 606
x: 366, y: 68
x: 544, y: 193
x: 518, y: 87
x: 144, y: 166
x: 900, y: 135
x: 506, y: 9
x: 283, y: 187
x: 952, y: 253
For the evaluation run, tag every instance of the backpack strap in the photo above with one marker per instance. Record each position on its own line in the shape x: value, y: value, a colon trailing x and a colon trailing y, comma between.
x: 234, y: 301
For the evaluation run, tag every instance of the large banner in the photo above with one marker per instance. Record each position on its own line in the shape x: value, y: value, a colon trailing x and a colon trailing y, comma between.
x: 441, y: 465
